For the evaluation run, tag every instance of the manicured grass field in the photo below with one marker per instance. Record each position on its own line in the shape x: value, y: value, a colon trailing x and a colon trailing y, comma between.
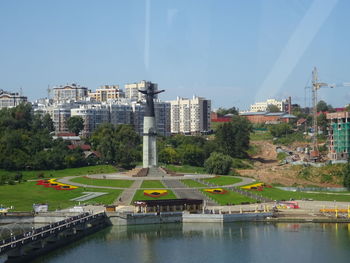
x: 98, y: 169
x: 192, y: 183
x: 103, y: 182
x: 186, y: 169
x: 139, y: 195
x: 223, y: 180
x: 22, y: 196
x: 229, y: 198
x: 277, y: 194
x: 154, y: 184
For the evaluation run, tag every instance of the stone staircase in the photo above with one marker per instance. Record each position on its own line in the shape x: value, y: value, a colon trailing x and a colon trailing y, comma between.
x: 155, y: 172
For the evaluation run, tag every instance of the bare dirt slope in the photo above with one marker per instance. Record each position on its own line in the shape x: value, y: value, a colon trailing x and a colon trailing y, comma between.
x: 266, y: 168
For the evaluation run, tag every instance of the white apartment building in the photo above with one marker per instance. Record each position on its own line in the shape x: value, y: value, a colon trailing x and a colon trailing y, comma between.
x: 93, y: 115
x: 162, y: 116
x: 132, y: 93
x: 107, y: 92
x: 190, y: 116
x: 262, y: 106
x: 10, y: 100
x: 72, y: 92
x: 120, y: 113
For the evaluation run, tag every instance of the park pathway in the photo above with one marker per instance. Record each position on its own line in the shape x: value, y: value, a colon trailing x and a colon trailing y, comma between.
x: 127, y: 195
x: 189, y: 193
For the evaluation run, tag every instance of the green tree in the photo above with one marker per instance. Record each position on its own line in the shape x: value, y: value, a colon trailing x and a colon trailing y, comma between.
x: 232, y: 138
x: 191, y: 154
x: 280, y: 130
x: 48, y: 123
x: 75, y: 124
x: 218, y: 163
x: 119, y: 145
x: 322, y: 123
x: 169, y: 155
x: 223, y: 111
x: 322, y: 106
x: 272, y: 108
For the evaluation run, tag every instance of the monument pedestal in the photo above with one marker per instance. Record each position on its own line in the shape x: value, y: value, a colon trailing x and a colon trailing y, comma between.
x: 149, y: 142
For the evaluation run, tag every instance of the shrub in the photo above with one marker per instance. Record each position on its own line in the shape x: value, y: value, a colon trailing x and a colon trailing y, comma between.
x: 218, y: 163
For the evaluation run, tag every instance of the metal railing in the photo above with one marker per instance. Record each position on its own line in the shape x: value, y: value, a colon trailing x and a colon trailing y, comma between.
x: 45, y: 231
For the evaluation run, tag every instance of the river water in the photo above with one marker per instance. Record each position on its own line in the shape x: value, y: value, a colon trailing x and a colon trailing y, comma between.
x: 233, y: 242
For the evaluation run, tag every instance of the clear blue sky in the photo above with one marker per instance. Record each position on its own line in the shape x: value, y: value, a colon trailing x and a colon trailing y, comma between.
x: 233, y: 52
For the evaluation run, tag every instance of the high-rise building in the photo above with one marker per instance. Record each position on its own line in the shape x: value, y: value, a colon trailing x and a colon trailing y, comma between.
x: 132, y: 90
x: 72, y: 92
x: 190, y: 116
x: 162, y: 117
x: 60, y: 117
x: 10, y: 99
x: 107, y: 92
x: 93, y: 115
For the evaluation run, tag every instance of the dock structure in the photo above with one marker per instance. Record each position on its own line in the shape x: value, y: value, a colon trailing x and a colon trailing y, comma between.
x: 41, y: 240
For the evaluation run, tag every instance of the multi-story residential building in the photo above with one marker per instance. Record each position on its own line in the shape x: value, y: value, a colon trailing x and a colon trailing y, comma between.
x: 132, y: 93
x: 72, y: 92
x: 262, y: 106
x: 120, y: 113
x: 162, y: 116
x: 190, y: 116
x: 93, y: 115
x: 339, y: 135
x: 10, y: 99
x: 107, y: 92
x: 59, y: 116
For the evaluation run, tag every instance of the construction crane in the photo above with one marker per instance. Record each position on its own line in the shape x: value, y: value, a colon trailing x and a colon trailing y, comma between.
x: 316, y: 85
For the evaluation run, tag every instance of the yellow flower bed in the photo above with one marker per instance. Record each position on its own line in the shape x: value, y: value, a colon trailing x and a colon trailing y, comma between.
x: 155, y: 193
x: 216, y: 191
x: 253, y: 186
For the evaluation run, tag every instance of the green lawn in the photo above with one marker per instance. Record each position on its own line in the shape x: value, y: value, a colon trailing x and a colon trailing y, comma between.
x: 192, y: 183
x: 154, y: 184
x: 22, y: 196
x: 223, y: 180
x: 229, y: 198
x: 278, y: 194
x: 98, y: 169
x: 103, y: 182
x: 140, y: 196
x: 186, y: 169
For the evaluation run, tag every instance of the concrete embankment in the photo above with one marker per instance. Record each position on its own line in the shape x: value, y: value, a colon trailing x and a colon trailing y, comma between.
x: 179, y: 217
x: 31, y: 218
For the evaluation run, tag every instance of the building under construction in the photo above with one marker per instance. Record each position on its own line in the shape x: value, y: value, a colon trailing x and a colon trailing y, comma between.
x: 339, y: 135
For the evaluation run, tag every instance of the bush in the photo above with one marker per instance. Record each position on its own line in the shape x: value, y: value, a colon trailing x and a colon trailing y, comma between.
x: 218, y: 163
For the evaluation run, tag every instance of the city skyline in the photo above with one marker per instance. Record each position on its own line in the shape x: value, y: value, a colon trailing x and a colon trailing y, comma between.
x: 251, y: 52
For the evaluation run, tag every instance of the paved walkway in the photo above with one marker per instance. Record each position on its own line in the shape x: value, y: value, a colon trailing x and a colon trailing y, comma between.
x: 188, y: 193
x: 127, y: 195
x: 66, y: 180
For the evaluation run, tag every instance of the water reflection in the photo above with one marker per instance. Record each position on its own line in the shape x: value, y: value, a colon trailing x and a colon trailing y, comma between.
x: 234, y: 242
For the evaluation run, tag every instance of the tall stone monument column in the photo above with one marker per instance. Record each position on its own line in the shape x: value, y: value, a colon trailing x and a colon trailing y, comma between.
x: 150, y: 158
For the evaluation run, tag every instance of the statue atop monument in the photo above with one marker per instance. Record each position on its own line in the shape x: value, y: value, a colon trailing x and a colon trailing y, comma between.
x: 150, y: 93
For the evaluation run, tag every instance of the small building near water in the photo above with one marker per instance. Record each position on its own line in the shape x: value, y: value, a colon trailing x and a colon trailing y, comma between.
x: 168, y: 205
